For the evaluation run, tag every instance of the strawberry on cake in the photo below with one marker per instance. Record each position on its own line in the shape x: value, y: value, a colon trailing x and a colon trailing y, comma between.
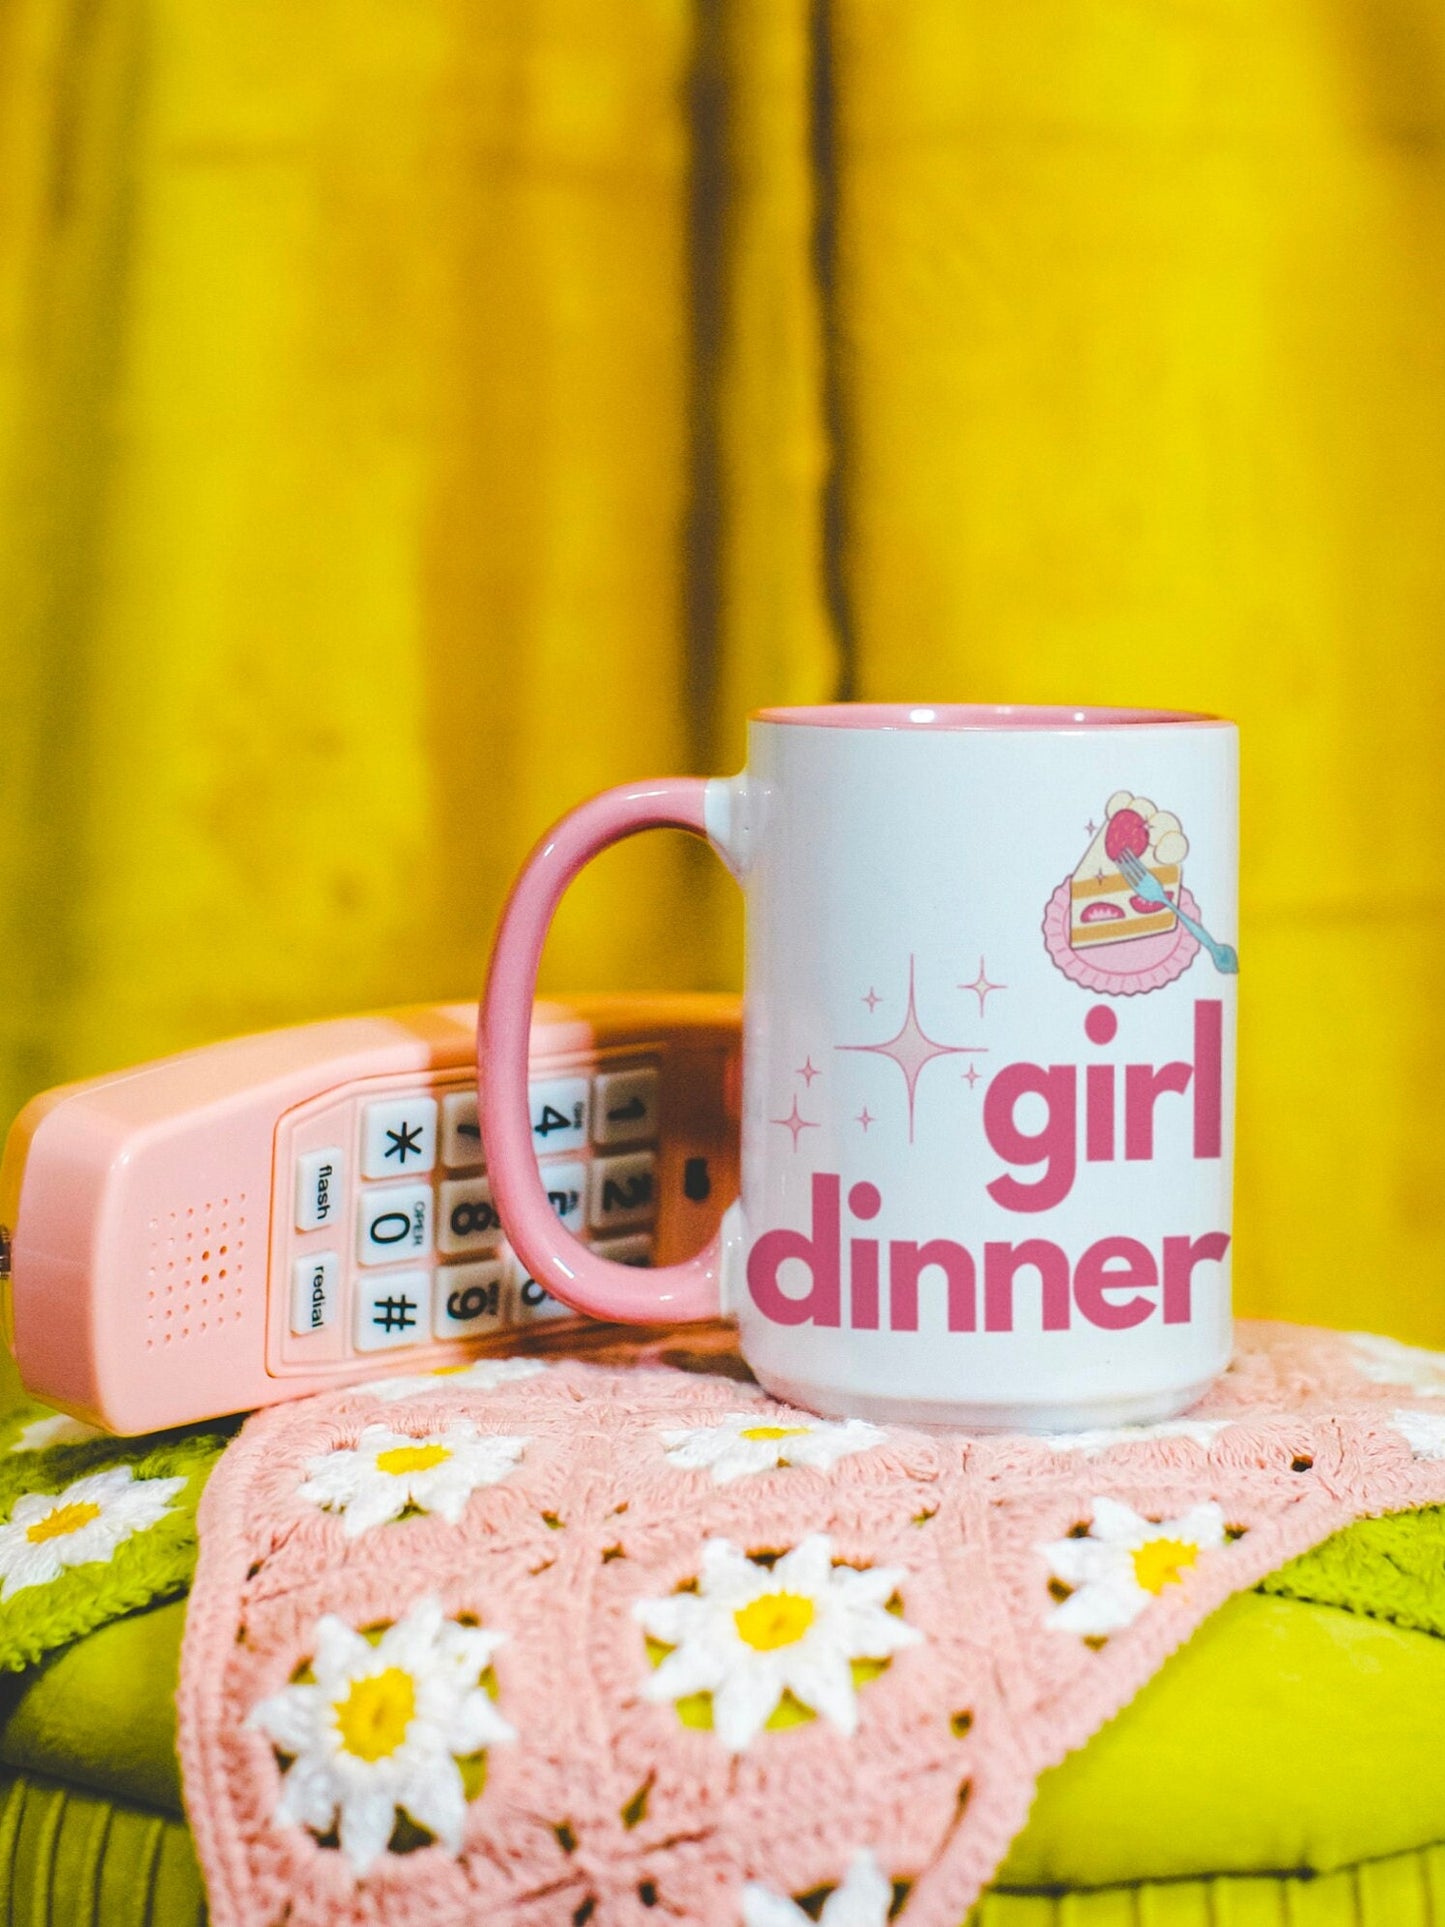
x: 1103, y: 906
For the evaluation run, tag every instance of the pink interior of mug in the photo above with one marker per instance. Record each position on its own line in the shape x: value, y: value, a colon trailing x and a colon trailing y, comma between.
x: 941, y: 716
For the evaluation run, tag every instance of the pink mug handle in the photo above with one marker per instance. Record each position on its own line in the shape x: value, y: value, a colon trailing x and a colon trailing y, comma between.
x: 672, y: 1294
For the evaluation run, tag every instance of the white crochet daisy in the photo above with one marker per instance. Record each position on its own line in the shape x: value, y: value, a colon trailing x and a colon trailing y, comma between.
x: 1387, y: 1362
x: 1124, y: 1562
x: 751, y: 1633
x: 482, y: 1375
x: 383, y: 1728
x: 745, y: 1442
x: 387, y: 1471
x: 81, y: 1526
x: 862, y: 1899
x: 1203, y: 1431
x: 1423, y: 1432
x: 59, y: 1428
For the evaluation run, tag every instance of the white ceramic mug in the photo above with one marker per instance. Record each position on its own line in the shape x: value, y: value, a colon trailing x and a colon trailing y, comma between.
x: 988, y: 1071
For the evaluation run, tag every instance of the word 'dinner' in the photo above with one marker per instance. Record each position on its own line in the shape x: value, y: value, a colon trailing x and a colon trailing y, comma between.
x: 832, y: 1276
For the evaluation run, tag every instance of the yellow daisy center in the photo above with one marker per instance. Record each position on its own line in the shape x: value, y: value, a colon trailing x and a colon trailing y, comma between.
x: 1159, y: 1562
x: 401, y: 1459
x: 776, y: 1619
x: 375, y: 1714
x: 64, y: 1520
x: 773, y: 1432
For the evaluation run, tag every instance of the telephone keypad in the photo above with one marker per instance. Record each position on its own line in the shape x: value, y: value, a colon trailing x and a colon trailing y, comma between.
x: 429, y: 1260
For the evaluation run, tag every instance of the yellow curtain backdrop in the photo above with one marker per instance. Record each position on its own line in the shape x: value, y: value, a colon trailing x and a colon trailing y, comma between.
x: 413, y: 417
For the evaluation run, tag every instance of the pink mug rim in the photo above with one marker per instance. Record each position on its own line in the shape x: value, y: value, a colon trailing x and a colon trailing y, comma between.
x: 922, y: 718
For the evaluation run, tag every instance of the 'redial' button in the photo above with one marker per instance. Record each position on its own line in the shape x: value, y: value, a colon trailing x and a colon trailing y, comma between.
x: 313, y: 1291
x: 320, y: 1187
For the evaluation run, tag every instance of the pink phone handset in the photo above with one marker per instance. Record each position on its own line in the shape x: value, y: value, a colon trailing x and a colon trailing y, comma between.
x: 279, y: 1213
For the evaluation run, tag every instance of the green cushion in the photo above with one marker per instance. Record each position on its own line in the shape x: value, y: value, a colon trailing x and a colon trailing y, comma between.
x: 1296, y: 1733
x: 1285, y: 1735
x: 102, y: 1713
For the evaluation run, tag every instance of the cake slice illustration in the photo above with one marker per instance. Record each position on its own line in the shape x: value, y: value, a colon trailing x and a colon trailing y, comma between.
x: 1103, y: 907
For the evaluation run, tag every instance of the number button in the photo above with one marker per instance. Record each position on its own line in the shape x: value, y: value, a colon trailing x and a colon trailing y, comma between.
x: 559, y: 1114
x: 624, y: 1106
x: 313, y: 1291
x: 567, y: 1192
x: 394, y: 1222
x: 398, y: 1137
x: 635, y: 1249
x: 535, y: 1303
x: 392, y: 1311
x: 461, y: 1134
x: 320, y: 1187
x: 469, y: 1220
x: 623, y: 1190
x: 470, y: 1299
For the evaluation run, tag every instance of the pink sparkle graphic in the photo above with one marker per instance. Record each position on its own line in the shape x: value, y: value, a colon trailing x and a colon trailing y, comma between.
x: 911, y: 1048
x: 795, y: 1123
x: 981, y: 986
x: 866, y: 1117
x: 873, y: 1000
x: 808, y: 1070
x: 970, y: 1076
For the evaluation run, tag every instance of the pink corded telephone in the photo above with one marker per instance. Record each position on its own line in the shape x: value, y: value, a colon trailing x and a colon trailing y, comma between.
x: 283, y: 1212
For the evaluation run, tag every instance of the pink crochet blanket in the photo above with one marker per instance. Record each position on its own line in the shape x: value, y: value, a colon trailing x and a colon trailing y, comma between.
x: 622, y: 1639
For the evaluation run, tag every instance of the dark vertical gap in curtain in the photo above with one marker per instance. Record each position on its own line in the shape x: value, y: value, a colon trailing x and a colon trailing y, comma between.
x: 707, y: 116
x: 823, y: 95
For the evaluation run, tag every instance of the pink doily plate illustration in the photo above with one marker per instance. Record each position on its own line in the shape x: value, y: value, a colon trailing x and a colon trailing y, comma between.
x: 1120, y: 969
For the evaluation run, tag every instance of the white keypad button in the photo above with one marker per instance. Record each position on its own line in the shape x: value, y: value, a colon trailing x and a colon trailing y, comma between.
x: 468, y: 1219
x: 470, y: 1299
x: 624, y: 1106
x: 567, y: 1193
x: 313, y: 1291
x: 559, y: 1114
x: 320, y: 1188
x: 398, y: 1137
x: 392, y: 1310
x: 461, y: 1134
x: 633, y: 1250
x: 535, y: 1303
x: 624, y: 1190
x: 394, y: 1222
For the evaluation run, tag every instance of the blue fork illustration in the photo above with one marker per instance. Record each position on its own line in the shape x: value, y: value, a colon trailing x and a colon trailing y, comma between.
x: 1226, y: 957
